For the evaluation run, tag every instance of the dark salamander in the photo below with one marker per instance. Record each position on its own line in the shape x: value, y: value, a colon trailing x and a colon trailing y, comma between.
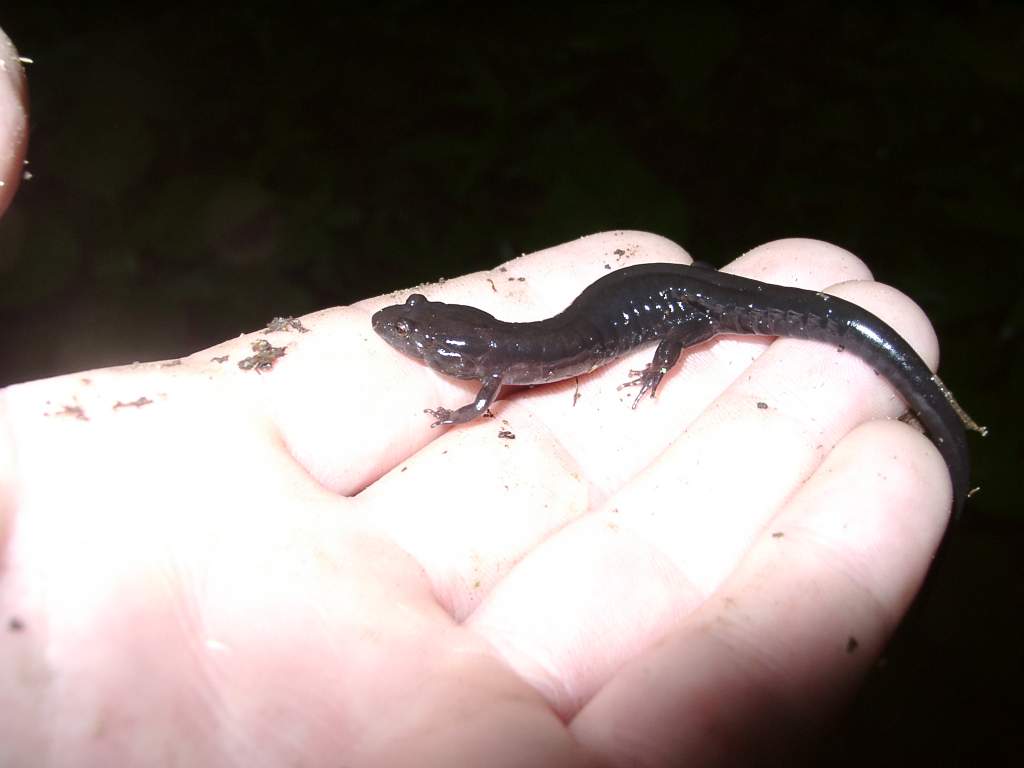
x: 677, y: 306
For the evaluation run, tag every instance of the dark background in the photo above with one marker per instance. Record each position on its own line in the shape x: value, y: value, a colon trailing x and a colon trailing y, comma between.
x: 197, y: 172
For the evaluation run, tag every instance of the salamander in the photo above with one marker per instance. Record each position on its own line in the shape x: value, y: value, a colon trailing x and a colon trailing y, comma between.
x: 676, y: 306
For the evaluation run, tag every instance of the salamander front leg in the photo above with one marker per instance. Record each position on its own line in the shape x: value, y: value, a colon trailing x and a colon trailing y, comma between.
x: 488, y: 392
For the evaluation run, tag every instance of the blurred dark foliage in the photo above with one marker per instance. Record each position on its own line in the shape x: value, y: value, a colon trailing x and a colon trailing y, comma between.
x: 195, y: 172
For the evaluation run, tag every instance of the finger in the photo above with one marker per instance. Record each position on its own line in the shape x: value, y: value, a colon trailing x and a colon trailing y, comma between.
x: 789, y: 636
x: 473, y: 503
x: 13, y: 121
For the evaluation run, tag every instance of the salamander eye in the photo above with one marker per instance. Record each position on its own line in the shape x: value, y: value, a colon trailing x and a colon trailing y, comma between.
x: 403, y: 327
x: 415, y: 300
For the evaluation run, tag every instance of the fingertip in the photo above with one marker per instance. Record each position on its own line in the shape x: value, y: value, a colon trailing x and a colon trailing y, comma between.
x: 800, y: 262
x: 897, y: 310
x: 13, y: 120
x: 876, y: 508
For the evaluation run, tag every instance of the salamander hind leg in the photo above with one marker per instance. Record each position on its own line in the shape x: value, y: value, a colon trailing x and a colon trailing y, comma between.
x: 667, y: 355
x: 648, y: 378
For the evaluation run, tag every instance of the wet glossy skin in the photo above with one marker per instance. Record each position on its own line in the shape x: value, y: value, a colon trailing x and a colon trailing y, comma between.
x: 677, y: 306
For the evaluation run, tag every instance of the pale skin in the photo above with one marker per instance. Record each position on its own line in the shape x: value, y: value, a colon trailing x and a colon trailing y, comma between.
x: 291, y: 567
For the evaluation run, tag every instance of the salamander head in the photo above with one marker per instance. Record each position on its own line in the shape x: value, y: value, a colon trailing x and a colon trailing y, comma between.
x: 451, y: 338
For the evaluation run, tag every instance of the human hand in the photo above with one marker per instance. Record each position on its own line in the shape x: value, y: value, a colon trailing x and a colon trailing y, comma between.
x: 204, y: 564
